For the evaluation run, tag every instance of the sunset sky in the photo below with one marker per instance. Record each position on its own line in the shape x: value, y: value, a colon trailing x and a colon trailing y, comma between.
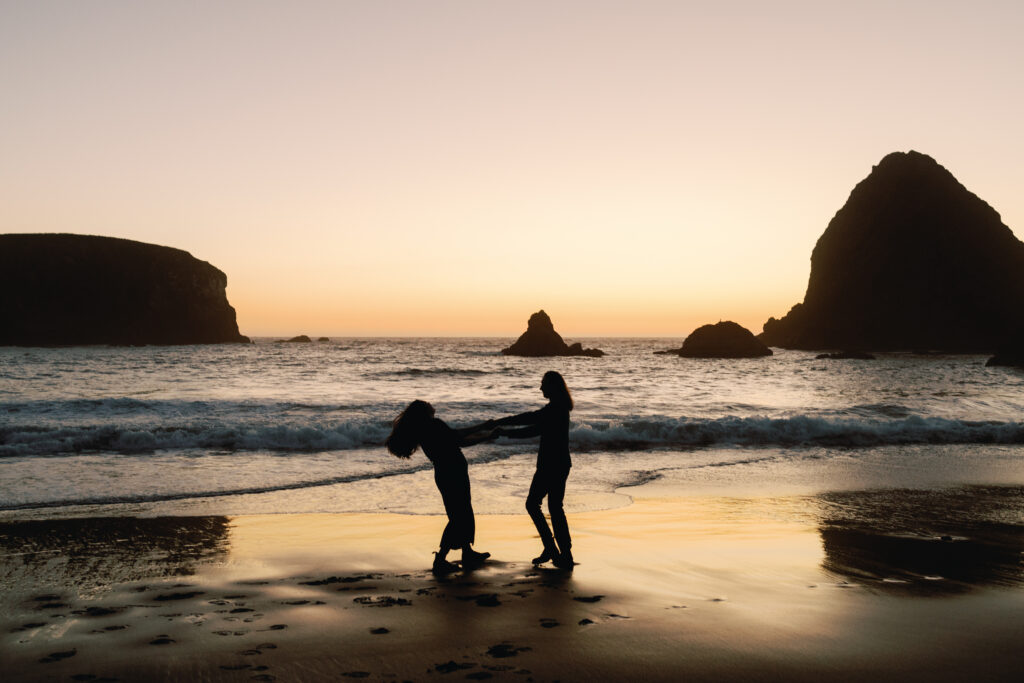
x: 447, y: 168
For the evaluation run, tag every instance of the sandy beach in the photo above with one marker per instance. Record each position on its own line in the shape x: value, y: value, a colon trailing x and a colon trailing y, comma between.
x: 669, y: 588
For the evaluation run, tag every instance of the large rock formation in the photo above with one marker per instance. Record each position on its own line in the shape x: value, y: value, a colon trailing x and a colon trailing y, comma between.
x: 540, y: 339
x: 81, y: 289
x: 724, y: 339
x: 913, y: 261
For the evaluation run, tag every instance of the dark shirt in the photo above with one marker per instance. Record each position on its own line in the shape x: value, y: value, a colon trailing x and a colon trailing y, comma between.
x: 440, y: 444
x: 551, y: 423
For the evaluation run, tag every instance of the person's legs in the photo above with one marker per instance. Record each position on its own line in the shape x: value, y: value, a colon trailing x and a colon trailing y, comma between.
x: 441, y: 563
x: 559, y: 524
x: 538, y: 489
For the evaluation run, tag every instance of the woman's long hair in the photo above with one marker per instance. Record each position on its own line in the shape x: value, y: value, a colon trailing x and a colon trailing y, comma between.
x: 558, y: 391
x: 407, y: 429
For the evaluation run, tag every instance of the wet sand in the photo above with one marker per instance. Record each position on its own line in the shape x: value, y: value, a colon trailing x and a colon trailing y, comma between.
x: 669, y: 588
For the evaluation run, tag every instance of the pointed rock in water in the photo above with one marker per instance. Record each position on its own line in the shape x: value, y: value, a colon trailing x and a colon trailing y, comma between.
x: 913, y: 260
x: 724, y: 339
x: 61, y: 289
x: 540, y: 339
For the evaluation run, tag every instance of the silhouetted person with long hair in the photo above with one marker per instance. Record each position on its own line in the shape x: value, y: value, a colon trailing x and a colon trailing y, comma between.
x: 551, y: 424
x: 417, y: 427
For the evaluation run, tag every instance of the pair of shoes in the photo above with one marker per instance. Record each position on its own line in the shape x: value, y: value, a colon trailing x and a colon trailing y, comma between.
x: 472, y: 557
x: 545, y: 556
x: 443, y: 566
x: 564, y: 560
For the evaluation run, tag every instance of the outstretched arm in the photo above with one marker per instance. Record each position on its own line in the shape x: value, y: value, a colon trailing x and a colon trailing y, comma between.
x: 474, y: 434
x: 534, y: 417
x: 522, y: 433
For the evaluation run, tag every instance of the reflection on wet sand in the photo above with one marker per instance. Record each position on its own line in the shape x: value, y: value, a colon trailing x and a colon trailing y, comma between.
x: 925, y: 542
x: 102, y: 551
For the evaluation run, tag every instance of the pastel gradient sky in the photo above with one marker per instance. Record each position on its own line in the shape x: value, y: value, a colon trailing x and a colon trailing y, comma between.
x: 448, y: 168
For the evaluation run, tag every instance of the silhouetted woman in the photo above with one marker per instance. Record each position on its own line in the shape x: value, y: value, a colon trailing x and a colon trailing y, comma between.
x: 551, y: 423
x: 417, y: 427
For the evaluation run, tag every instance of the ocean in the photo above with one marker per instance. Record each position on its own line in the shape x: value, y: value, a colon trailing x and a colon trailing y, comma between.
x: 282, y: 428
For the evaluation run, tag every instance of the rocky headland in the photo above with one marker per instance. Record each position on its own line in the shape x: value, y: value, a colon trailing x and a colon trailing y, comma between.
x: 724, y: 339
x: 912, y: 261
x: 61, y: 289
x: 540, y: 339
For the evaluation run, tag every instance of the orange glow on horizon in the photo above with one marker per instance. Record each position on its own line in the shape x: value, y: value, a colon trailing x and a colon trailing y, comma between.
x: 363, y: 169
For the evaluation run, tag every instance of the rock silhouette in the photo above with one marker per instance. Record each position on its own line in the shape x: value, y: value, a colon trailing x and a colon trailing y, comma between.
x: 61, y: 289
x: 913, y: 260
x: 540, y: 339
x: 301, y: 339
x: 724, y: 339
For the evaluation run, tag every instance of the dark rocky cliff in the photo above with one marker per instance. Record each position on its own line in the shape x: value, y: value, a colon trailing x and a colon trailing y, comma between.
x: 912, y: 261
x: 58, y: 289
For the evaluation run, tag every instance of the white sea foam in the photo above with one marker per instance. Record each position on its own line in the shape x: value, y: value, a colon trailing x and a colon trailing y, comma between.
x: 620, y: 434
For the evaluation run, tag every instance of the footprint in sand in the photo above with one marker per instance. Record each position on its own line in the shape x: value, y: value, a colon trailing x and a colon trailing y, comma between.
x: 381, y: 601
x: 490, y: 600
x: 356, y: 674
x: 161, y: 640
x: 27, y: 627
x: 505, y: 649
x: 585, y: 622
x: 591, y: 598
x: 57, y: 656
x: 452, y: 665
x: 96, y: 611
x: 548, y: 623
x: 379, y: 631
x: 164, y: 597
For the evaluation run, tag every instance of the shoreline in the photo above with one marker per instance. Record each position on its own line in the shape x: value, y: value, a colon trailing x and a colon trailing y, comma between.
x: 712, y: 588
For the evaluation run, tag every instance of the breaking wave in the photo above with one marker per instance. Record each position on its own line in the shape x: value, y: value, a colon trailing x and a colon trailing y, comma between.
x: 591, y: 435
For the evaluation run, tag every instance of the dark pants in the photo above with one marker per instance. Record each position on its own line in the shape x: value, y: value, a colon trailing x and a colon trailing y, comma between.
x: 461, y: 527
x: 550, y: 483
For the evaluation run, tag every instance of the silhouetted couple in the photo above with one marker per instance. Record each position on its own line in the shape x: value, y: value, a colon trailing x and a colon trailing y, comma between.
x: 417, y: 427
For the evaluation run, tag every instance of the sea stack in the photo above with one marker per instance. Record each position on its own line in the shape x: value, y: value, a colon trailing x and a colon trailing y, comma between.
x: 540, y: 339
x: 724, y: 339
x: 912, y: 261
x: 61, y: 289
